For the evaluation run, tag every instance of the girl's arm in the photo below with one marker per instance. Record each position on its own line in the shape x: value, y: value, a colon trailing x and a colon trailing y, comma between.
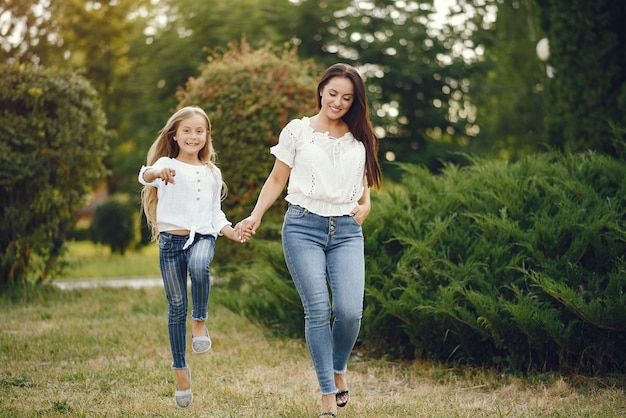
x: 166, y: 174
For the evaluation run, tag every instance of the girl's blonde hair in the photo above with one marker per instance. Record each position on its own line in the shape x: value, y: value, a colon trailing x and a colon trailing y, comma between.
x: 165, y: 146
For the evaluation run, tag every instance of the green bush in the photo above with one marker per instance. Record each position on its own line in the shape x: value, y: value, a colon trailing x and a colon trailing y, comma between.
x: 519, y: 266
x: 52, y: 145
x: 114, y: 225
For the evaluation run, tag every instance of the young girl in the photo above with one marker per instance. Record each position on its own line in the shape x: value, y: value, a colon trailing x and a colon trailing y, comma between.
x: 330, y: 160
x: 182, y: 194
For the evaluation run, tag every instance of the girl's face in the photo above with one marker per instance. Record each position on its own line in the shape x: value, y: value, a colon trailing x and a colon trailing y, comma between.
x: 337, y: 97
x: 191, y: 137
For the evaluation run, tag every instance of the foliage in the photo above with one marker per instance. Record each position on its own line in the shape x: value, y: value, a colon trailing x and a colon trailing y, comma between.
x: 114, y: 224
x: 507, y: 79
x: 27, y: 34
x: 518, y: 266
x: 52, y: 142
x: 588, y: 92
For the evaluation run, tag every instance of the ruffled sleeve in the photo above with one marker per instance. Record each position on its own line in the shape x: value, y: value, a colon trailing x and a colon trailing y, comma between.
x: 285, y: 150
x: 159, y: 164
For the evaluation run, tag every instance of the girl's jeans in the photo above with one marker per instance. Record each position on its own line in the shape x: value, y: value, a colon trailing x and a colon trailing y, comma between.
x: 175, y: 263
x: 323, y: 252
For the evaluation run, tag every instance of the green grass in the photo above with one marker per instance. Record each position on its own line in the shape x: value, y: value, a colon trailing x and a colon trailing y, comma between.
x: 90, y: 261
x: 104, y: 352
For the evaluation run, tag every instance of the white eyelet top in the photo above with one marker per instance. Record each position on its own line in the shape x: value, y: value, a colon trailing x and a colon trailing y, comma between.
x: 193, y: 202
x: 326, y: 173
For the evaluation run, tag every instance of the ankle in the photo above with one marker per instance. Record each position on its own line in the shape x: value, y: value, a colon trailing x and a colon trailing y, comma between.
x: 340, y: 382
x: 182, y: 379
x: 197, y: 327
x: 329, y: 403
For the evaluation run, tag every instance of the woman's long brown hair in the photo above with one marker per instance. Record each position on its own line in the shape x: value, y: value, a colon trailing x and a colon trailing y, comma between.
x: 357, y: 118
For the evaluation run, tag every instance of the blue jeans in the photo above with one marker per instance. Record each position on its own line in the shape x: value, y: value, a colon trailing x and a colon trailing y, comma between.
x: 175, y: 263
x: 321, y: 253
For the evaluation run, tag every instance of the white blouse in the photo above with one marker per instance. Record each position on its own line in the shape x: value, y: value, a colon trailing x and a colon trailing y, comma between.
x: 326, y: 173
x: 193, y: 202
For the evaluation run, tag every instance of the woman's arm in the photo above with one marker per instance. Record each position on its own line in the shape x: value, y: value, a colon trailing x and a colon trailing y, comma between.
x: 272, y: 189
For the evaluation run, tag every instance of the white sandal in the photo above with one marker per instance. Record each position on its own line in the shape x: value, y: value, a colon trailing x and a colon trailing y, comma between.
x: 201, y: 344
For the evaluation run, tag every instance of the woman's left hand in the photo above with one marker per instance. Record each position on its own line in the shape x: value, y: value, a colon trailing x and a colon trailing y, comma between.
x: 360, y: 212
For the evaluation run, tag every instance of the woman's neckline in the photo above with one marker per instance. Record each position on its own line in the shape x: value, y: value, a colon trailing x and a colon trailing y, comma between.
x: 325, y: 133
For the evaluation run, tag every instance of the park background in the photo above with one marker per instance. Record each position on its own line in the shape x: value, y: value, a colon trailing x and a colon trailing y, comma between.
x: 497, y: 241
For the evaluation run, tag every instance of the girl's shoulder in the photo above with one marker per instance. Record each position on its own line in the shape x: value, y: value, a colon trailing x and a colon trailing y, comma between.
x: 163, y: 162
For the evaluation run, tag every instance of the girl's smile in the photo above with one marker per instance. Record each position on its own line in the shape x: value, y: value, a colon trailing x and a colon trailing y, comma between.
x: 191, y: 137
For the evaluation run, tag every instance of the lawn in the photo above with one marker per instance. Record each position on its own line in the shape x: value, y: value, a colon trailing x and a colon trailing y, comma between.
x: 90, y: 261
x: 104, y: 352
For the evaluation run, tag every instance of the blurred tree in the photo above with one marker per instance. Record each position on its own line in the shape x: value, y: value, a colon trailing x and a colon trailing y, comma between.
x: 586, y: 98
x: 86, y: 36
x: 27, y: 32
x: 250, y: 95
x: 311, y: 25
x: 507, y: 78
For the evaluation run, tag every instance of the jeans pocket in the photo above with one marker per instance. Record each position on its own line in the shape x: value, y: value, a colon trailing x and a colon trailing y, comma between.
x: 165, y: 242
x: 295, y: 211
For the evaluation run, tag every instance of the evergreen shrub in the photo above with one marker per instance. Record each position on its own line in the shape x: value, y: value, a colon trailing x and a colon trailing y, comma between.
x: 520, y: 266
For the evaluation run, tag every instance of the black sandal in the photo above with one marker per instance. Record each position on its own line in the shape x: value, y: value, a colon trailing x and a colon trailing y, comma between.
x: 341, y: 394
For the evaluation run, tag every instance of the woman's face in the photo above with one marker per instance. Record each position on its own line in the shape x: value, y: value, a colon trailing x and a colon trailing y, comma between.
x: 337, y: 97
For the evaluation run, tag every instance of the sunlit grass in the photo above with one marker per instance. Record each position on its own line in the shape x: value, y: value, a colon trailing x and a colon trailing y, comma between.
x: 105, y: 352
x: 87, y: 260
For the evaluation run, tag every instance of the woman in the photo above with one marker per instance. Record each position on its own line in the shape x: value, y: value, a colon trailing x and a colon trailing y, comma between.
x: 330, y: 160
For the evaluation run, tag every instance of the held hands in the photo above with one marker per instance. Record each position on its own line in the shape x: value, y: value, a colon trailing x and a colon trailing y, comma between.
x: 251, y: 224
x: 237, y: 234
x: 247, y: 227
